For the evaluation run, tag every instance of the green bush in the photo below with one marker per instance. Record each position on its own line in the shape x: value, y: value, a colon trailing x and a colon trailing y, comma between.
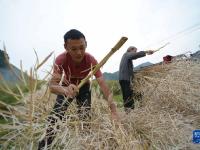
x: 9, y: 98
x: 114, y: 87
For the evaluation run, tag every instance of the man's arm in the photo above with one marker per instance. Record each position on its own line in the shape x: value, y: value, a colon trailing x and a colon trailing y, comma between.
x: 133, y: 55
x: 108, y: 95
x: 55, y: 88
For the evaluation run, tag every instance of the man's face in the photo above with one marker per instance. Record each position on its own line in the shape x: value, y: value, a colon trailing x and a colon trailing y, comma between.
x: 76, y: 49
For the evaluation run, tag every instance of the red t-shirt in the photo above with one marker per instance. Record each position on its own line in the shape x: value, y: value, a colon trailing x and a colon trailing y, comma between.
x: 74, y: 73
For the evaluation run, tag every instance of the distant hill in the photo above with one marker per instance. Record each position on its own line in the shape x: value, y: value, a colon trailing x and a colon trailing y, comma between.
x: 8, y: 72
x: 196, y: 55
x: 111, y: 76
x: 115, y: 75
x: 142, y: 65
x: 9, y: 75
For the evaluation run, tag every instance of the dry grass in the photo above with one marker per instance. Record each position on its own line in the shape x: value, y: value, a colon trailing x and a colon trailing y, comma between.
x: 164, y: 119
x: 170, y: 109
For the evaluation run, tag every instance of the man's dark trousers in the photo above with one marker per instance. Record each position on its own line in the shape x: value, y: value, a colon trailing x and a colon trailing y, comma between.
x: 83, y: 100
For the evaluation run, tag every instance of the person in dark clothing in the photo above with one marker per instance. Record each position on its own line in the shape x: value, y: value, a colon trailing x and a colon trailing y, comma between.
x: 75, y: 64
x: 126, y: 75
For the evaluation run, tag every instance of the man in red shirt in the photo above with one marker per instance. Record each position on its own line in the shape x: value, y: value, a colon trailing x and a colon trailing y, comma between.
x: 74, y: 64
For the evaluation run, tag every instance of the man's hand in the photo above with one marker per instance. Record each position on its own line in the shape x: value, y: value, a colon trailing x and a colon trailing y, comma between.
x: 113, y: 109
x: 149, y: 52
x: 114, y: 115
x: 71, y: 90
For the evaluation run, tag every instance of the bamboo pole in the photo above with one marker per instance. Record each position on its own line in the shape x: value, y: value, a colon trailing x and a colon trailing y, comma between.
x: 103, y: 61
x: 161, y: 47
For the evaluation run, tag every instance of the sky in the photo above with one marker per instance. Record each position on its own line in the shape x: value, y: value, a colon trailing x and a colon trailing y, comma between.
x: 28, y: 25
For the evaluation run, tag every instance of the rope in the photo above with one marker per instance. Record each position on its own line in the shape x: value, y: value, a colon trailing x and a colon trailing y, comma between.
x: 182, y: 33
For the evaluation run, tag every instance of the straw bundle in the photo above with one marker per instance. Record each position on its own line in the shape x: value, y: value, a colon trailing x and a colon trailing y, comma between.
x: 170, y: 107
x: 24, y: 131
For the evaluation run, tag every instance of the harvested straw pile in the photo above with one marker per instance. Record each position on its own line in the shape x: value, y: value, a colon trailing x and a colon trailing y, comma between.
x: 163, y: 119
x: 170, y: 109
x: 29, y: 123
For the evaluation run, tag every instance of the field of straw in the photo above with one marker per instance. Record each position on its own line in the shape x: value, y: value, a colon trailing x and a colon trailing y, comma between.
x: 164, y: 117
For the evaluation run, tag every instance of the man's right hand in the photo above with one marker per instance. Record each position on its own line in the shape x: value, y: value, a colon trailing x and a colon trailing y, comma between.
x: 71, y: 90
x: 149, y: 52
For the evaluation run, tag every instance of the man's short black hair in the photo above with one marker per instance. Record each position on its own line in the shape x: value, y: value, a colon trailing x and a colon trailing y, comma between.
x: 73, y: 34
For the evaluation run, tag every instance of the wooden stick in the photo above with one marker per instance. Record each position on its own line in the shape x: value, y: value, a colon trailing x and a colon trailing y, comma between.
x: 103, y: 61
x: 161, y: 47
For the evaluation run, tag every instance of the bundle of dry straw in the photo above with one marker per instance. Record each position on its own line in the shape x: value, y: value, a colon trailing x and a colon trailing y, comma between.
x: 170, y: 107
